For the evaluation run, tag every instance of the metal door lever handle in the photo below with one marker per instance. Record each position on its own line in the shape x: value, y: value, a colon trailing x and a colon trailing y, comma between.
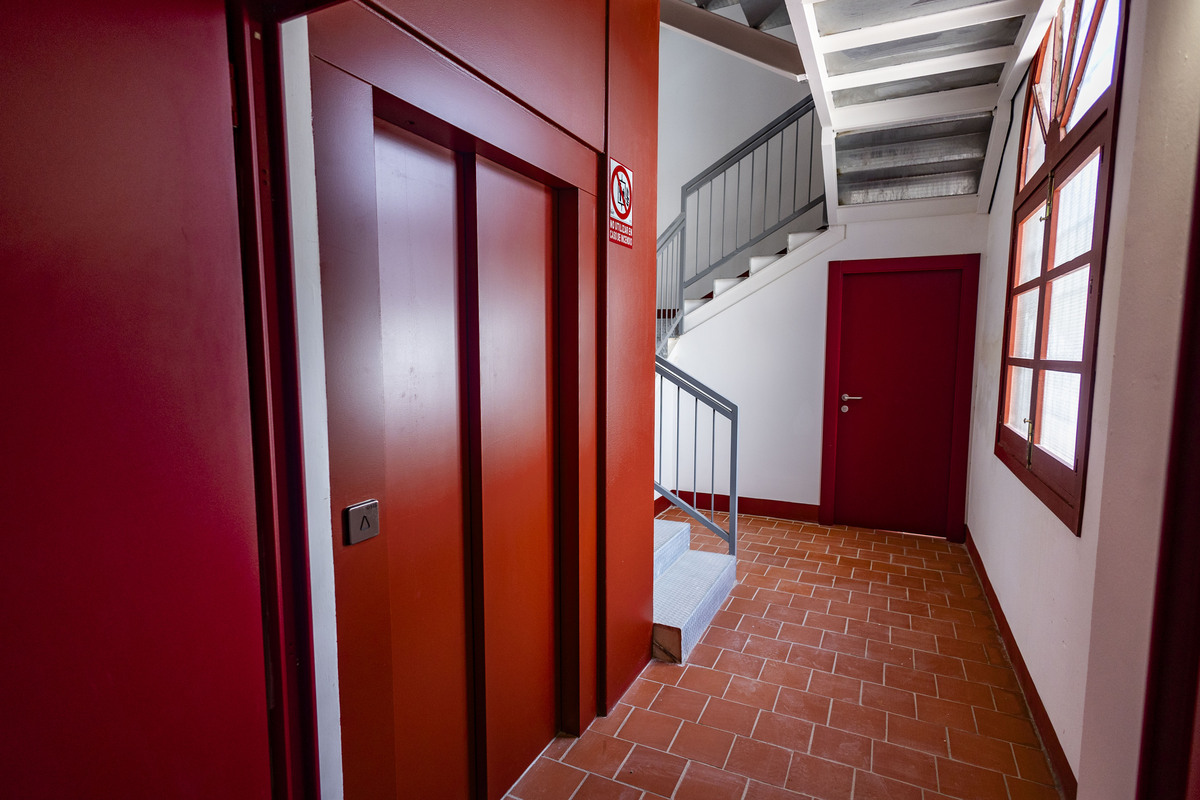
x: 846, y: 397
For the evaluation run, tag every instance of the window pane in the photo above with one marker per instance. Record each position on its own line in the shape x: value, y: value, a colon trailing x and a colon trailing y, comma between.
x: 1024, y: 324
x: 1059, y: 415
x: 1075, y: 212
x: 1067, y: 298
x: 1085, y: 21
x: 1029, y: 247
x: 1035, y: 145
x: 1020, y: 387
x: 1097, y: 76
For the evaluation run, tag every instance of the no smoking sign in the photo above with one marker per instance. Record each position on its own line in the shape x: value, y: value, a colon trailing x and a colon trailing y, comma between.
x: 620, y: 204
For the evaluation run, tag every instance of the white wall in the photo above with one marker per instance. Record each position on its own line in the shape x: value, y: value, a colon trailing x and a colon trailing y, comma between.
x: 1080, y: 608
x: 302, y: 180
x: 767, y: 353
x: 708, y: 103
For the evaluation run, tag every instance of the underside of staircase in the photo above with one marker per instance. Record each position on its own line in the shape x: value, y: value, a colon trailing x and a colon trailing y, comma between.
x: 689, y: 588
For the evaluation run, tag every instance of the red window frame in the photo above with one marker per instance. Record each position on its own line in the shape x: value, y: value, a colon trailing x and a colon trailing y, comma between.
x: 1049, y: 102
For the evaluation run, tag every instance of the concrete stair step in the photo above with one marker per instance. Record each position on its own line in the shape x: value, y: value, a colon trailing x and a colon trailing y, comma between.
x: 672, y: 539
x: 722, y: 285
x: 686, y: 597
x: 799, y: 239
x: 758, y: 263
x: 692, y: 304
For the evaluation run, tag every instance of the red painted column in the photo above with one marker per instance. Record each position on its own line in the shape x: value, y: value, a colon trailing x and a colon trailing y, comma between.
x: 628, y: 335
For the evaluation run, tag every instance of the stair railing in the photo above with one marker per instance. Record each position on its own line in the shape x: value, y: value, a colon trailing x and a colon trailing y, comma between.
x: 692, y: 410
x: 755, y: 190
x: 669, y: 294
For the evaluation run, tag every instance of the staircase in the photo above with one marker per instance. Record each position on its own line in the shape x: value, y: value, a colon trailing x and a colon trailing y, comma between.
x: 689, y: 588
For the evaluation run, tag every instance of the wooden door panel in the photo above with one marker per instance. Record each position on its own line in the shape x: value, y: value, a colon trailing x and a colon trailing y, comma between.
x: 899, y: 337
x: 516, y: 259
x: 421, y: 510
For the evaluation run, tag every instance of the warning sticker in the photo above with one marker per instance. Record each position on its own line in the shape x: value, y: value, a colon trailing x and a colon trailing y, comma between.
x: 620, y: 204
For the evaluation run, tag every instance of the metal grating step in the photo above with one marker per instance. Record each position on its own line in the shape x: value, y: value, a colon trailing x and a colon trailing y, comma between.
x: 686, y: 598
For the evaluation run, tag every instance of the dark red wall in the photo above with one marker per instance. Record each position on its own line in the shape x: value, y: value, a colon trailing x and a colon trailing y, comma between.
x: 131, y: 657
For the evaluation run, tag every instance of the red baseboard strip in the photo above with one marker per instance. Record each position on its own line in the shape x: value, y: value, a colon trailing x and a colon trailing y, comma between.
x: 779, y: 509
x: 1041, y: 720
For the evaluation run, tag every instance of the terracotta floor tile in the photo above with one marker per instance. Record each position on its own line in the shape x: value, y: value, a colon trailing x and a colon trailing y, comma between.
x: 864, y: 669
x: 739, y: 664
x: 970, y: 783
x: 732, y: 717
x: 681, y: 703
x: 702, y: 743
x: 704, y: 680
x: 1028, y: 790
x: 803, y: 705
x: 597, y: 788
x: 889, y: 699
x: 836, y: 687
x: 783, y: 730
x: 819, y: 778
x: 812, y: 657
x: 756, y: 693
x: 649, y: 728
x: 1032, y: 765
x: 913, y: 733
x: 903, y: 764
x: 598, y: 753
x: 944, y: 712
x: 869, y: 786
x: 846, y: 665
x: 1002, y: 726
x: 652, y: 770
x: 548, y: 779
x: 841, y: 746
x: 763, y: 762
x: 770, y: 649
x: 982, y: 751
x: 702, y: 782
x: 858, y: 719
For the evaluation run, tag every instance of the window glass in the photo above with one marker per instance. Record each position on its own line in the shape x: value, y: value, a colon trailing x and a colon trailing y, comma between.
x: 1075, y: 213
x: 1020, y: 389
x: 1035, y: 150
x: 1097, y: 76
x: 1024, y: 323
x: 1030, y: 246
x: 1067, y: 300
x: 1059, y: 417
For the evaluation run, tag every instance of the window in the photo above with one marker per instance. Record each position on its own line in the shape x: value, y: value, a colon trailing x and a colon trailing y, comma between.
x: 1057, y: 259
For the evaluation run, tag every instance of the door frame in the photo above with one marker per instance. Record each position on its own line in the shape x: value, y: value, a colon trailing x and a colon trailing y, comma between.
x: 968, y: 266
x: 443, y: 90
x: 403, y: 80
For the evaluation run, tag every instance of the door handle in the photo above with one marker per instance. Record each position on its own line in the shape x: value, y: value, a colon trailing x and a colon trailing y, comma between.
x: 846, y: 397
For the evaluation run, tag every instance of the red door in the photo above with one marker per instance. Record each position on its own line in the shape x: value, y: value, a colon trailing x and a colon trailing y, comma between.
x: 898, y: 363
x: 516, y: 267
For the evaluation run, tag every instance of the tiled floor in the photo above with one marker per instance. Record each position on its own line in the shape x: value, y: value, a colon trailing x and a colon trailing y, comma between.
x: 846, y: 665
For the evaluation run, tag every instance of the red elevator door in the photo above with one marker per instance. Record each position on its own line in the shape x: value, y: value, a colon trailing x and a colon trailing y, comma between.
x: 437, y: 288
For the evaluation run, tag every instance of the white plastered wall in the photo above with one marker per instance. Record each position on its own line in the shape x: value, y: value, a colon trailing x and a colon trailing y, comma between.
x: 1080, y: 608
x: 767, y: 353
x: 709, y: 102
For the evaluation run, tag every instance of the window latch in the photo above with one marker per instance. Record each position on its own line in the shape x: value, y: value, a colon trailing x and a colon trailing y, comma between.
x: 1028, y: 443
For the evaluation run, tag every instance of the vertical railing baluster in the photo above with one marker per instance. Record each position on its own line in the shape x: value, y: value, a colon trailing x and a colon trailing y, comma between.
x: 712, y: 478
x: 695, y: 444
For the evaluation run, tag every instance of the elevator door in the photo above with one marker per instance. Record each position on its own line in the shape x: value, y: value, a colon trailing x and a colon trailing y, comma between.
x: 437, y: 272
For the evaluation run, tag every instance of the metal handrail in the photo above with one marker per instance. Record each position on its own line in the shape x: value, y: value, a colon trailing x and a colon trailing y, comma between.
x: 669, y: 294
x: 717, y: 406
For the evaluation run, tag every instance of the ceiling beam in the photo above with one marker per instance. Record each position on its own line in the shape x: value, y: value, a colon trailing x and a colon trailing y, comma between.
x: 929, y: 23
x: 919, y: 69
x: 763, y: 49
